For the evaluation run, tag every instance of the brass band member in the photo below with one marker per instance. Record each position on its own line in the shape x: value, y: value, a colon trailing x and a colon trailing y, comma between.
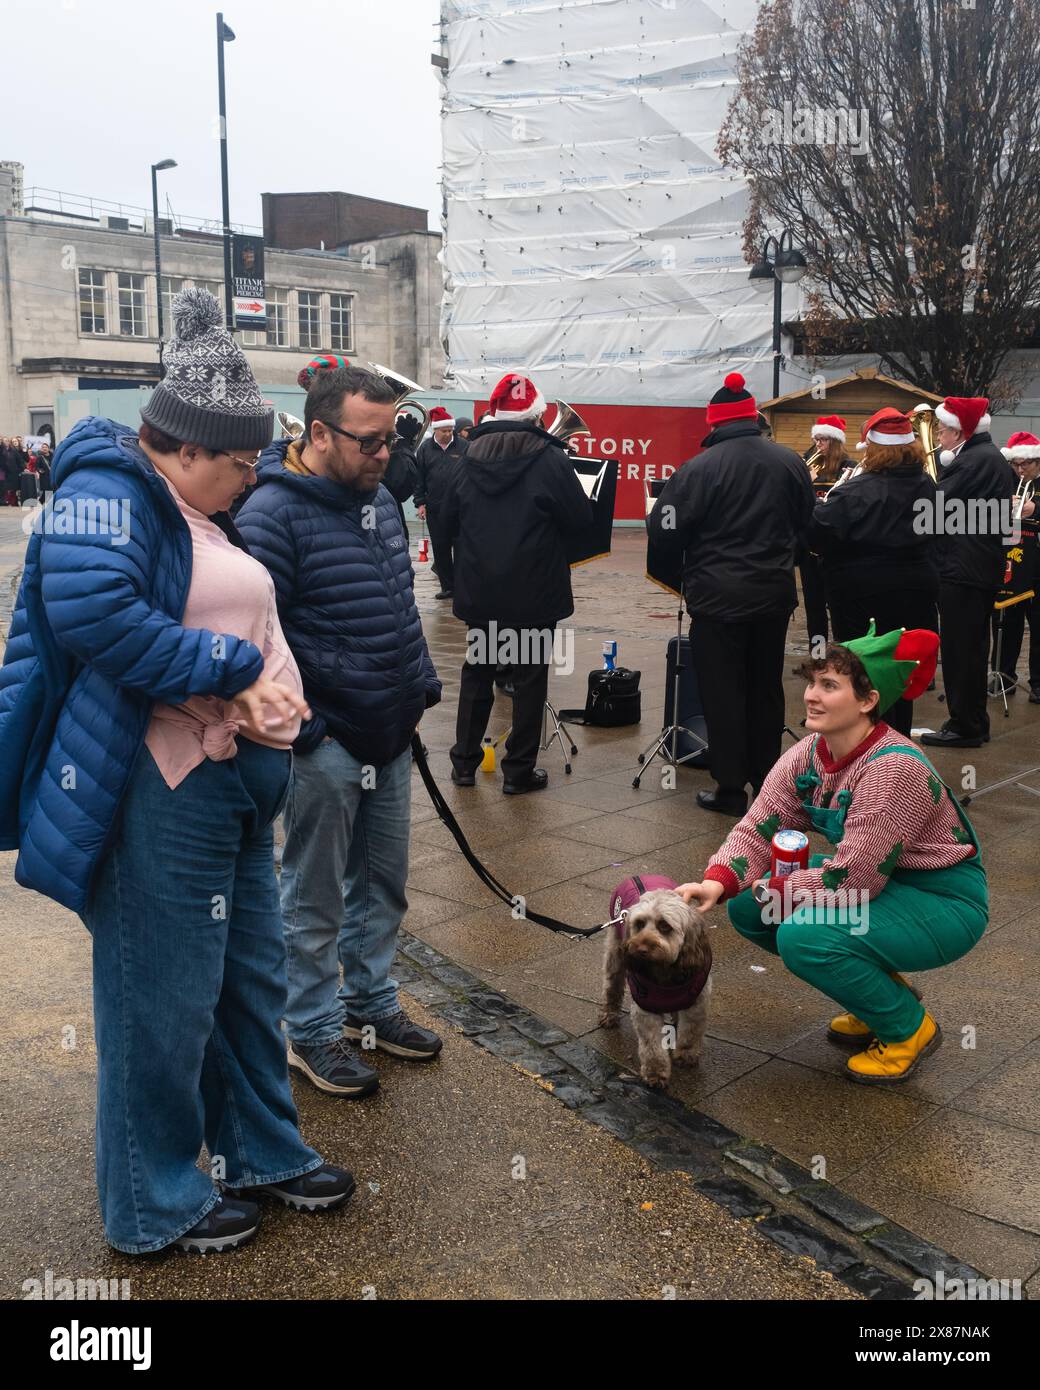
x: 829, y: 463
x: 1023, y: 454
x: 877, y: 565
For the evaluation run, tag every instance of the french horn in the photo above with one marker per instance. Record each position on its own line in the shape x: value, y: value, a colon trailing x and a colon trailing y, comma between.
x: 404, y: 389
x: 922, y: 422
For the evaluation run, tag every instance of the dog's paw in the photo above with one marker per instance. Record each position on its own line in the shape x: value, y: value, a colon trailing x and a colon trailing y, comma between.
x: 657, y: 1081
x: 608, y: 1019
x: 687, y: 1059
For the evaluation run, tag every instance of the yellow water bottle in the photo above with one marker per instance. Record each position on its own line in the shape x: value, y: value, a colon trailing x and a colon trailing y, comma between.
x: 488, y: 761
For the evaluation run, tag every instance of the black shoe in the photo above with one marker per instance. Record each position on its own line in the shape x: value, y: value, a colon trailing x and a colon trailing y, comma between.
x: 726, y: 803
x: 444, y: 593
x: 398, y: 1035
x: 327, y: 1187
x: 1034, y: 693
x: 334, y: 1067
x: 226, y: 1226
x: 536, y: 782
x: 463, y: 779
x: 950, y: 738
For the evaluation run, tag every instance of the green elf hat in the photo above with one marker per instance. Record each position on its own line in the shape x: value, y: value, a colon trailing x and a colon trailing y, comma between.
x: 900, y: 664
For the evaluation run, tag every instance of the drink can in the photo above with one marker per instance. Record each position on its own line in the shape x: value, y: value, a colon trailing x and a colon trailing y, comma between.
x: 790, y: 852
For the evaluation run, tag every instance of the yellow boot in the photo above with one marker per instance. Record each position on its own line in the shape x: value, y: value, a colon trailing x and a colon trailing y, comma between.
x: 885, y: 1063
x: 849, y: 1028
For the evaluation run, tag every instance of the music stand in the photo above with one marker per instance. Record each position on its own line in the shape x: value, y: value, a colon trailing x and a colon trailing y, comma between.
x: 666, y: 744
x: 560, y: 731
x: 998, y: 682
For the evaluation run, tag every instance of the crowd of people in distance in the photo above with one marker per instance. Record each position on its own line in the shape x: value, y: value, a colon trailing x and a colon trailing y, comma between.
x: 25, y: 473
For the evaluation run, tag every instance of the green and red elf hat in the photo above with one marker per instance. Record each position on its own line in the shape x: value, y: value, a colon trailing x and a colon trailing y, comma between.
x: 324, y: 362
x: 900, y: 664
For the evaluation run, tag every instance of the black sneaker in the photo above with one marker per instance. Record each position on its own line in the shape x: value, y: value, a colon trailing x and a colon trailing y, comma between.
x: 334, y: 1067
x: 445, y: 593
x: 1034, y: 693
x: 399, y: 1036
x: 463, y: 779
x: 226, y: 1226
x: 327, y: 1187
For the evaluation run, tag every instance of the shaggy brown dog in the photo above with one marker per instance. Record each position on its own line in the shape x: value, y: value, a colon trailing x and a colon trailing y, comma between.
x: 661, y: 950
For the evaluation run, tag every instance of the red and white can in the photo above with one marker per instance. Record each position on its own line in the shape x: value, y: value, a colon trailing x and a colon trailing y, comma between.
x: 790, y: 852
x: 424, y: 551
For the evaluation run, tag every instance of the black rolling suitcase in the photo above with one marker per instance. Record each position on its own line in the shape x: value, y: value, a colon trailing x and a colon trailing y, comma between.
x: 691, y: 712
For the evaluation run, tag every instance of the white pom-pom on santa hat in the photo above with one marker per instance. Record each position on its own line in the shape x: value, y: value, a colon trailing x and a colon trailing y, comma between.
x: 516, y: 398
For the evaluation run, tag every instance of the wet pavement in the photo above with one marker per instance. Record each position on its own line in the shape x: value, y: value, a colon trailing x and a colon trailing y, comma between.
x: 951, y: 1156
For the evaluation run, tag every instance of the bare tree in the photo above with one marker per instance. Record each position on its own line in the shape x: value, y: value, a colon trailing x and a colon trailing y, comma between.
x: 900, y: 139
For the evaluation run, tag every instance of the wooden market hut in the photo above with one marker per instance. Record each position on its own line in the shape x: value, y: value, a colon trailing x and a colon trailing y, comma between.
x: 854, y: 397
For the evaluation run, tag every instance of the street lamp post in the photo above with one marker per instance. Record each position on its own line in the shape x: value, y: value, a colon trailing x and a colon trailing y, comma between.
x: 787, y: 267
x: 225, y: 34
x: 157, y: 168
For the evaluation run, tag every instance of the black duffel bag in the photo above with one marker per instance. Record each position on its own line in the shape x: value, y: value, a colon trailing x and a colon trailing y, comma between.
x: 613, y: 700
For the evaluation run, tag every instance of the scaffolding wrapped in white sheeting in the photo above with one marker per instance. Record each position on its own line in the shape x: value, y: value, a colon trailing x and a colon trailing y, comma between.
x: 591, y: 234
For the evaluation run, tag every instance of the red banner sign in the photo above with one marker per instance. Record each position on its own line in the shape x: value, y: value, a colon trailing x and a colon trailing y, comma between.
x: 648, y: 441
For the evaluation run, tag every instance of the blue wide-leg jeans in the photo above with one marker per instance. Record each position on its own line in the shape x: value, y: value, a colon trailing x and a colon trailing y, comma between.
x: 189, y: 991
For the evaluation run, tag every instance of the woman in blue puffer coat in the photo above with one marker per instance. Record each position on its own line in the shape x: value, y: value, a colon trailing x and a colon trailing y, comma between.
x: 150, y: 703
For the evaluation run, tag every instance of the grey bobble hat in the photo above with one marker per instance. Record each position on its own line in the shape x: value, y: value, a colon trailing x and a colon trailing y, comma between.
x: 208, y: 395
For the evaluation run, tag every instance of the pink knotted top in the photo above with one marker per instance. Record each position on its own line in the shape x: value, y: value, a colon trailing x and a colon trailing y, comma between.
x: 231, y: 594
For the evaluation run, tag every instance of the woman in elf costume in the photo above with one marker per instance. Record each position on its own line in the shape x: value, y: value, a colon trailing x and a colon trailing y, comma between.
x: 904, y: 888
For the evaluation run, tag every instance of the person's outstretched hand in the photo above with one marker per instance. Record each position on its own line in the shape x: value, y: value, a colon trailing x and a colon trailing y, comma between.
x: 703, y: 895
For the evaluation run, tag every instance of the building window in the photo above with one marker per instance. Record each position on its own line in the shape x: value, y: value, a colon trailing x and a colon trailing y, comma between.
x: 92, y: 301
x: 215, y: 287
x: 309, y: 317
x: 132, y: 312
x: 171, y: 285
x: 341, y: 310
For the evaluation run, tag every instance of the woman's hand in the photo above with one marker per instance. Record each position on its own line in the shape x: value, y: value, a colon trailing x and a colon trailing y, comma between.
x: 283, y: 703
x: 703, y: 895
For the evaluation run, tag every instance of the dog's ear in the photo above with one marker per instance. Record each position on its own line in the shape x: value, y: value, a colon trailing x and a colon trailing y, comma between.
x: 694, y: 953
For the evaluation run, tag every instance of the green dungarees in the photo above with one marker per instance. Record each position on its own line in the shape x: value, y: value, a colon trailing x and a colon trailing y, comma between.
x: 922, y: 919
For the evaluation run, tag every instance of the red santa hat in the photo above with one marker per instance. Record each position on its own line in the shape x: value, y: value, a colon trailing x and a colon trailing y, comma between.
x: 441, y: 419
x: 829, y: 427
x: 732, y: 402
x: 969, y: 414
x: 1022, y: 445
x: 516, y: 398
x: 887, y: 426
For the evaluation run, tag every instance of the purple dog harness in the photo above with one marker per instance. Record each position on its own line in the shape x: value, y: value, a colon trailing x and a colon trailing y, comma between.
x: 650, y: 995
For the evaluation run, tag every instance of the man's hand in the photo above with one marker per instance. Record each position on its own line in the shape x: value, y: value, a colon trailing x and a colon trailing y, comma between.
x: 703, y: 895
x: 421, y: 511
x: 248, y: 705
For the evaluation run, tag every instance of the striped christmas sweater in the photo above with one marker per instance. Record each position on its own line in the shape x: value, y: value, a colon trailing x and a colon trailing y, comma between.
x: 900, y: 817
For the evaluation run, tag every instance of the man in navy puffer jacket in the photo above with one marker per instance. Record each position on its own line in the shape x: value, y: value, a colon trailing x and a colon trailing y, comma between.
x: 332, y: 539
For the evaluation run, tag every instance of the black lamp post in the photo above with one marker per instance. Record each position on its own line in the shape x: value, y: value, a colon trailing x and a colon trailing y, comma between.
x: 156, y: 168
x: 786, y: 268
x: 225, y: 34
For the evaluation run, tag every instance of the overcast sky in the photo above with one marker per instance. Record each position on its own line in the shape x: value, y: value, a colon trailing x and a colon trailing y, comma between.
x: 321, y: 94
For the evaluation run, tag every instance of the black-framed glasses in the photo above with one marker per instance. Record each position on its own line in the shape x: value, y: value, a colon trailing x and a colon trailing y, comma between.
x: 368, y: 444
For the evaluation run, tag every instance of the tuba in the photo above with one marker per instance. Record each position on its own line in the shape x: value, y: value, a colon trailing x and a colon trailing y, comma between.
x: 922, y: 420
x: 404, y: 389
x: 567, y: 424
x: 291, y: 427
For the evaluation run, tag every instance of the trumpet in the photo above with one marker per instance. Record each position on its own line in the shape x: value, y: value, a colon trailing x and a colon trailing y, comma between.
x: 567, y: 424
x: 1025, y: 492
x: 813, y: 462
x: 404, y: 389
x: 922, y: 421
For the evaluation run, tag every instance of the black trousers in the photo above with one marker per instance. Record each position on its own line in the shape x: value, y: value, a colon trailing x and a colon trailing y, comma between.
x: 740, y: 671
x: 964, y: 616
x: 852, y: 610
x: 1014, y: 630
x: 476, y: 699
x: 442, y: 551
x: 814, y: 596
